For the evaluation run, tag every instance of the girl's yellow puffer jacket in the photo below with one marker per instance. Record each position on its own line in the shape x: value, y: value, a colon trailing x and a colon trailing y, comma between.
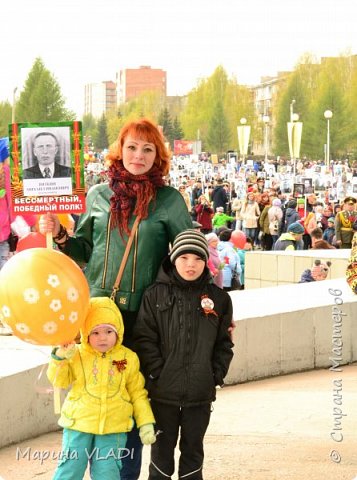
x: 104, y: 397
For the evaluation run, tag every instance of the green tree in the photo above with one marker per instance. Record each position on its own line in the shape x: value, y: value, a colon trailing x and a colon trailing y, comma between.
x: 41, y: 100
x: 216, y: 95
x: 5, y: 118
x: 177, y: 129
x: 89, y: 128
x: 165, y: 121
x: 218, y: 135
x: 101, y: 136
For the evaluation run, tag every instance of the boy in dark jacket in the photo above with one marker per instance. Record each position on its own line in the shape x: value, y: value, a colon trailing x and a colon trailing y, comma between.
x: 183, y: 342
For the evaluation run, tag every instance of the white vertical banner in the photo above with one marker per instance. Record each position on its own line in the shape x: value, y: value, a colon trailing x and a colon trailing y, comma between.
x: 243, y: 132
x: 294, y: 138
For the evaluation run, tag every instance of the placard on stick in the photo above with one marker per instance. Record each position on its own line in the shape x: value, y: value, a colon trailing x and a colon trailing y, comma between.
x: 47, y: 168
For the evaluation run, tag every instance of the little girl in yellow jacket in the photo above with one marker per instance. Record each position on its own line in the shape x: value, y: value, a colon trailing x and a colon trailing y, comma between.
x: 107, y: 393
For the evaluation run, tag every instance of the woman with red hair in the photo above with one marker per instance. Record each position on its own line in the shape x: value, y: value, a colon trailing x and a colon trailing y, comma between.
x: 138, y: 162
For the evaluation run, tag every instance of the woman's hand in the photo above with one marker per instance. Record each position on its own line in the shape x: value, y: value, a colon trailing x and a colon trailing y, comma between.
x: 49, y: 223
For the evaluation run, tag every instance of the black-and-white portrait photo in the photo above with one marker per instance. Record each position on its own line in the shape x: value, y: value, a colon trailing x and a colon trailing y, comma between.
x: 46, y: 160
x: 320, y: 183
x: 298, y: 190
x: 46, y: 152
x: 308, y: 188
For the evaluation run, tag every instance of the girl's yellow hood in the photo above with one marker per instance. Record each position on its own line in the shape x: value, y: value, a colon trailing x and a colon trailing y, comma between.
x: 102, y: 310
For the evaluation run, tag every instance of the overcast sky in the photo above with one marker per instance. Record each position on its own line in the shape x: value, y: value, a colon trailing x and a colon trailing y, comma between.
x: 85, y: 41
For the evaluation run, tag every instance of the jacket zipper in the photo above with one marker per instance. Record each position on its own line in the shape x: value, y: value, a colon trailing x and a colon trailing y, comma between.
x: 106, y: 251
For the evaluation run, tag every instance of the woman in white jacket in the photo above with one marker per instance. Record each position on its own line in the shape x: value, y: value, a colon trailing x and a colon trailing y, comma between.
x: 275, y: 215
x: 250, y: 213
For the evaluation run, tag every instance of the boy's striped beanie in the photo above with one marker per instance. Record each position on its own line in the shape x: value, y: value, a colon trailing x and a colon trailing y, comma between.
x: 190, y: 241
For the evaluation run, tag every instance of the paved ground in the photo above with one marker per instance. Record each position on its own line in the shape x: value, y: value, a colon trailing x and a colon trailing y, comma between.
x: 273, y: 429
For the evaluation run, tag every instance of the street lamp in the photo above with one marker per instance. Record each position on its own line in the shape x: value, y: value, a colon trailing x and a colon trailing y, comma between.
x: 266, y: 123
x: 243, y: 132
x: 294, y: 136
x: 328, y: 115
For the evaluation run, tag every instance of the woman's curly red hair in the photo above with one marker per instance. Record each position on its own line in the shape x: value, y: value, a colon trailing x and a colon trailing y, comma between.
x: 143, y: 129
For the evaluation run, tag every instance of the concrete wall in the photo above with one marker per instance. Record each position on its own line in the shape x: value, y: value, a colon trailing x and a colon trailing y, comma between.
x: 26, y: 412
x: 278, y: 331
x: 267, y: 269
x: 289, y: 329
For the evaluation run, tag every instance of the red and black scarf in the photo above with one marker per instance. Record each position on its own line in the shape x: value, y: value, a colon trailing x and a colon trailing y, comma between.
x: 131, y: 193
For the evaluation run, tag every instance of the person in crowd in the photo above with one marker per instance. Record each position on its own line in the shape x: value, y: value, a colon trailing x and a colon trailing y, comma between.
x: 291, y: 214
x: 248, y: 247
x: 310, y: 202
x: 317, y: 273
x: 292, y: 239
x: 215, y: 264
x: 314, y: 218
x: 221, y: 219
x: 351, y: 270
x: 138, y: 161
x: 236, y: 210
x: 266, y: 239
x: 317, y: 241
x: 204, y: 213
x: 229, y: 256
x: 219, y: 196
x: 90, y: 180
x: 45, y: 148
x: 197, y: 191
x: 5, y: 202
x: 106, y: 391
x: 329, y: 232
x: 275, y: 216
x: 185, y: 349
x: 260, y: 184
x: 327, y: 213
x: 344, y: 221
x: 208, y: 192
x: 186, y: 196
x: 250, y: 213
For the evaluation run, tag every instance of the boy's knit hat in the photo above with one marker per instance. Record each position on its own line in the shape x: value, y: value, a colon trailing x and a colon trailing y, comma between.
x: 331, y: 220
x: 190, y: 241
x: 276, y: 202
x: 300, y: 201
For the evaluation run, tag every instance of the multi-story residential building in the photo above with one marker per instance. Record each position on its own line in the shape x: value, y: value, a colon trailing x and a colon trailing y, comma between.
x: 265, y: 95
x: 99, y: 98
x: 131, y: 82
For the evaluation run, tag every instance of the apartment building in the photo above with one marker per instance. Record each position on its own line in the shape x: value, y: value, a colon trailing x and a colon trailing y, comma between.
x: 99, y: 98
x: 265, y: 94
x: 131, y: 82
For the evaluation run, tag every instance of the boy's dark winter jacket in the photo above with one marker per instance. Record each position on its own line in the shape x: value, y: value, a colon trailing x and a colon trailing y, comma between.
x: 184, y: 352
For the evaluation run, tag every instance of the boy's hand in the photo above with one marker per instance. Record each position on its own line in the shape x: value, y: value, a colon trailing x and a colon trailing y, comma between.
x: 147, y: 434
x: 66, y: 351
